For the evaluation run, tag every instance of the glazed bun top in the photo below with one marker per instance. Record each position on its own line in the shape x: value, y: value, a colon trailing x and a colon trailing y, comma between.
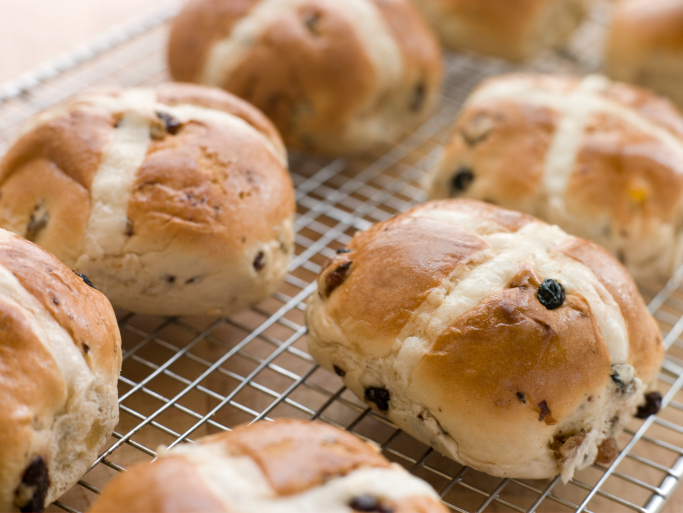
x: 459, y: 306
x: 603, y: 160
x: 138, y: 153
x: 271, y: 467
x: 334, y: 76
x: 156, y: 194
x: 412, y: 270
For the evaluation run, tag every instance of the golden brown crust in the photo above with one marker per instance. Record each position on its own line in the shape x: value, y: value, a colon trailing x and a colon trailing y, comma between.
x: 421, y: 54
x: 510, y: 344
x: 32, y: 203
x: 524, y: 337
x: 168, y: 487
x: 82, y: 311
x: 485, y: 138
x: 310, y: 71
x: 336, y: 79
x: 606, y: 166
x: 652, y: 107
x: 626, y: 172
x: 202, y: 192
x: 213, y: 98
x: 55, y: 160
x: 503, y: 142
x: 426, y: 251
x: 195, y: 191
x: 363, y: 284
x: 247, y: 188
x: 295, y: 456
x: 271, y: 76
x: 57, y: 408
x: 199, y: 25
x: 645, y: 342
x: 77, y: 157
x: 33, y: 391
x: 168, y: 484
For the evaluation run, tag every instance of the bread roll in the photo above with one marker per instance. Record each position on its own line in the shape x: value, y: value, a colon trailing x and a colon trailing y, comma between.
x: 511, y: 29
x: 60, y: 357
x: 645, y: 45
x: 497, y: 339
x: 603, y: 160
x: 334, y: 76
x: 174, y: 200
x: 282, y: 467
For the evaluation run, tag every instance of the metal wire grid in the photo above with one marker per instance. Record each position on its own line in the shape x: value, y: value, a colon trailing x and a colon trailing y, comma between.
x: 185, y: 378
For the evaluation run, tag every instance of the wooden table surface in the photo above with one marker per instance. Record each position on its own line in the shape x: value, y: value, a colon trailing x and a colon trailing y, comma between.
x: 35, y: 31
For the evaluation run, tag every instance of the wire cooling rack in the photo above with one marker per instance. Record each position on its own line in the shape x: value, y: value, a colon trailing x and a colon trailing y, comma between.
x: 183, y: 378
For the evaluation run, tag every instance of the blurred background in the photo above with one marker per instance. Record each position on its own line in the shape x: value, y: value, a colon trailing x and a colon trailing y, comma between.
x: 35, y: 31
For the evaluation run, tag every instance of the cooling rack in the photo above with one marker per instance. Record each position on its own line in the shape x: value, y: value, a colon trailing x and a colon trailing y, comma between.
x: 183, y: 378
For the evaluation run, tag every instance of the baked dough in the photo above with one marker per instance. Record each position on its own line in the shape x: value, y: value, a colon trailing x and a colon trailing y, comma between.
x: 334, y: 76
x: 512, y: 29
x: 60, y: 357
x: 497, y: 339
x: 603, y: 160
x: 645, y: 46
x: 174, y: 200
x: 282, y: 467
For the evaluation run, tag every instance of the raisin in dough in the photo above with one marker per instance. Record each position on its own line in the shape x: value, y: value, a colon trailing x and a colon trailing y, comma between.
x: 497, y: 339
x: 174, y: 200
x: 271, y: 467
x: 603, y: 160
x: 60, y: 357
x: 334, y: 76
x: 515, y: 30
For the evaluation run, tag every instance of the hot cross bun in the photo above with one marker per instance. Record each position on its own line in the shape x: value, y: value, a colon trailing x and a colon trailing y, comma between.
x: 603, y: 160
x: 497, y: 339
x: 334, y: 76
x: 174, y: 200
x: 60, y: 357
x: 285, y: 466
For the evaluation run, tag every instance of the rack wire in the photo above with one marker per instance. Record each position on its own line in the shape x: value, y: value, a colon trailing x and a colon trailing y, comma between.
x: 183, y: 378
